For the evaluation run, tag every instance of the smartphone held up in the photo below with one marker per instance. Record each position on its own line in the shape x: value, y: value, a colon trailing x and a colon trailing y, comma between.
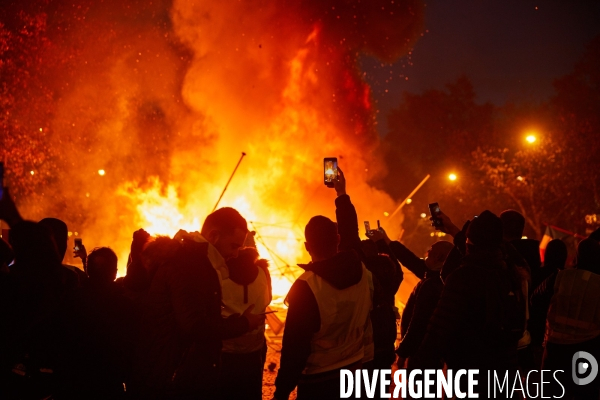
x: 368, y: 231
x: 78, y: 244
x: 330, y: 171
x: 434, y: 210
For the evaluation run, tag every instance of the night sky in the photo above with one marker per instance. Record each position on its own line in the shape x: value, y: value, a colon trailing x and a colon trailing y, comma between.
x: 511, y: 50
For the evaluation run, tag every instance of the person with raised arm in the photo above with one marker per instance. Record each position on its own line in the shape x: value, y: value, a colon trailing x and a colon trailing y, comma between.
x: 387, y: 277
x: 328, y: 325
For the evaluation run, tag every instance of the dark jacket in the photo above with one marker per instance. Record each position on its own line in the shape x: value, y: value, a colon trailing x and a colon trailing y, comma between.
x: 37, y: 285
x: 540, y: 303
x: 418, y: 311
x: 303, y: 317
x: 180, y: 348
x: 463, y: 328
x: 99, y: 327
x: 408, y: 259
x: 529, y: 249
x: 417, y: 266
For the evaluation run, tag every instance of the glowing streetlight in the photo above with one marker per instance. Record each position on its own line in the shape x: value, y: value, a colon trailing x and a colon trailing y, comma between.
x: 408, y: 201
x: 531, y: 138
x: 452, y: 177
x: 101, y: 172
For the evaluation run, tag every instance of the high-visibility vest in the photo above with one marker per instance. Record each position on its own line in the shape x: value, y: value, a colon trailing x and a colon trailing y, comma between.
x: 233, y: 302
x: 574, y: 313
x: 345, y: 320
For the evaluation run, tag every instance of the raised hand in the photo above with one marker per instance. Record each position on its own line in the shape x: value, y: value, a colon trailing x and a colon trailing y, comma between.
x: 376, y: 234
x: 140, y: 238
x: 340, y: 183
x: 446, y: 226
x: 81, y: 253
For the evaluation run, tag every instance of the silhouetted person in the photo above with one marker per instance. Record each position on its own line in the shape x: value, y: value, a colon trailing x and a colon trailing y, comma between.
x: 60, y: 233
x: 573, y: 322
x: 6, y: 257
x: 554, y: 261
x: 180, y: 350
x: 243, y: 357
x: 386, y: 275
x: 442, y: 258
x: 422, y: 301
x: 38, y: 285
x: 137, y: 281
x: 328, y: 317
x: 100, y: 327
x: 513, y: 226
x: 479, y: 318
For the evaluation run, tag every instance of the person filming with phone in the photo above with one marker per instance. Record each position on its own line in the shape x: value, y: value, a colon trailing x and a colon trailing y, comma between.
x: 328, y: 325
x: 386, y: 272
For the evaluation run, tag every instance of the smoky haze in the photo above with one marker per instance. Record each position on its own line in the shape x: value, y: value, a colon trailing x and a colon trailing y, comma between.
x: 165, y: 96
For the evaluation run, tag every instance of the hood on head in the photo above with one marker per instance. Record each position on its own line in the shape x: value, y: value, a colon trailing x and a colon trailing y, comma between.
x: 485, y: 230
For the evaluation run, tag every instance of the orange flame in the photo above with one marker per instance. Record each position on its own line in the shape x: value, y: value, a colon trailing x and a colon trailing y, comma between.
x: 166, y: 109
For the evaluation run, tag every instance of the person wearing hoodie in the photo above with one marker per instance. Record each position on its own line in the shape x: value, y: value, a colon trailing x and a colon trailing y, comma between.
x: 385, y: 270
x: 60, y: 233
x: 513, y: 226
x: 481, y: 313
x: 328, y: 317
x: 243, y: 357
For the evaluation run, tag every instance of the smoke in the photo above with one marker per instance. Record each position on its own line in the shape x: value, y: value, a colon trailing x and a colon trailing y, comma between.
x: 165, y: 96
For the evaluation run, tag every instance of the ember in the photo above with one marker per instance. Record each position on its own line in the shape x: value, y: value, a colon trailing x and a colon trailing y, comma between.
x: 158, y: 113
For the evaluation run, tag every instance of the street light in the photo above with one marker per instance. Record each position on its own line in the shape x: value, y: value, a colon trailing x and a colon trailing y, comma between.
x: 452, y: 177
x: 531, y: 138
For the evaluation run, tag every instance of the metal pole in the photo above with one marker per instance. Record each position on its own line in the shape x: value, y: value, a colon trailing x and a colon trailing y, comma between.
x: 227, y: 184
x: 410, y: 195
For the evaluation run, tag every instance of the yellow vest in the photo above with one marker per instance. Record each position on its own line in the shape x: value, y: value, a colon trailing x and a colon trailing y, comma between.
x: 574, y: 313
x: 344, y: 323
x: 233, y: 301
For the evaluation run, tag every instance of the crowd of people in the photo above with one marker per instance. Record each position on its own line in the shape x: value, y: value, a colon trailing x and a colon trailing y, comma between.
x: 187, y: 321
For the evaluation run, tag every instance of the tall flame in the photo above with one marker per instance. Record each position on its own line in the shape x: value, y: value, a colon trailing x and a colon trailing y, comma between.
x: 164, y: 99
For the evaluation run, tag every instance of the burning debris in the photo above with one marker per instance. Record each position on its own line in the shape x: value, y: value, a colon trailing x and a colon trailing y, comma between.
x: 163, y: 97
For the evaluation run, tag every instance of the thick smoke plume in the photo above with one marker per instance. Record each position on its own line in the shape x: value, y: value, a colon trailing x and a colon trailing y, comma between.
x: 164, y: 97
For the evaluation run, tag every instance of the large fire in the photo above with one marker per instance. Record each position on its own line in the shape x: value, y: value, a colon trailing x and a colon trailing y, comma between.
x: 161, y: 213
x: 164, y: 97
